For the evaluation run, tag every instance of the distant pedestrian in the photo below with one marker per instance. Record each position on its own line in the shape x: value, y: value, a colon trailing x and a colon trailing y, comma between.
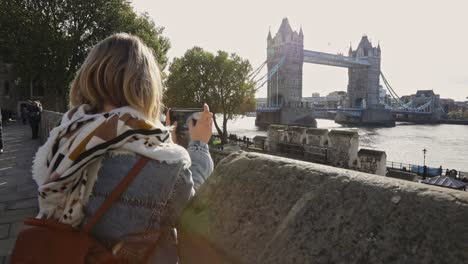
x: 34, y: 116
x: 24, y: 113
x: 1, y: 132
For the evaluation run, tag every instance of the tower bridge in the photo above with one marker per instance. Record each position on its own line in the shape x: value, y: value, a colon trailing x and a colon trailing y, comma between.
x: 285, y: 58
x: 329, y: 59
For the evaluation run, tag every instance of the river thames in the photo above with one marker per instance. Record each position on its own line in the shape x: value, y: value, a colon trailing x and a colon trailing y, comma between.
x: 447, y: 145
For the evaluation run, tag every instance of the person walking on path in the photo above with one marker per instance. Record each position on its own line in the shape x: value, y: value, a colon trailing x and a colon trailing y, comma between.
x: 24, y: 113
x: 116, y: 98
x: 34, y: 114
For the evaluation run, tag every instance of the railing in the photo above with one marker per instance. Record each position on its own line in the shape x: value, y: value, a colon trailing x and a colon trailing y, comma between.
x: 343, y: 109
x: 268, y: 109
x: 421, y: 170
x: 355, y: 112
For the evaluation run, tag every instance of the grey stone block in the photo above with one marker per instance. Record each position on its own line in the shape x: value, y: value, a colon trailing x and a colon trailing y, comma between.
x: 17, y: 196
x: 30, y: 186
x: 14, y: 178
x: 6, y: 246
x: 6, y: 187
x: 16, y: 227
x: 18, y: 215
x: 21, y: 204
x: 4, y: 231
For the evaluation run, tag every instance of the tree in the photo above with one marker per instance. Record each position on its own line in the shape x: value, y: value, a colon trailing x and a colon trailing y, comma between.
x: 47, y: 40
x: 220, y: 80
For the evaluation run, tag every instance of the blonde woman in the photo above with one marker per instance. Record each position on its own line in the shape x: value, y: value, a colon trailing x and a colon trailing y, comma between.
x: 116, y: 102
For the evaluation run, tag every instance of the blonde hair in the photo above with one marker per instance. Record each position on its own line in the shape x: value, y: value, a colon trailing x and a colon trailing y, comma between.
x: 120, y: 71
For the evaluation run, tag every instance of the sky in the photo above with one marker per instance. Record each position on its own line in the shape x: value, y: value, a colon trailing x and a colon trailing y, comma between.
x: 424, y: 42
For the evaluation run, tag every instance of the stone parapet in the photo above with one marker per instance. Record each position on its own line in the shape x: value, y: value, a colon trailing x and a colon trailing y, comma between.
x: 257, y: 208
x: 49, y: 120
x: 274, y: 137
x: 372, y: 161
x: 317, y: 137
x: 403, y: 175
x: 343, y: 146
x: 294, y: 135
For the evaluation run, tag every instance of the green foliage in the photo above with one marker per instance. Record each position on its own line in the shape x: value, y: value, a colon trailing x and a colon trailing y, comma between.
x: 49, y: 39
x: 458, y: 115
x: 220, y: 80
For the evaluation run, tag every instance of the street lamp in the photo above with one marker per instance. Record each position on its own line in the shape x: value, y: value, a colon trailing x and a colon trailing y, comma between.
x: 424, y: 168
x: 424, y: 151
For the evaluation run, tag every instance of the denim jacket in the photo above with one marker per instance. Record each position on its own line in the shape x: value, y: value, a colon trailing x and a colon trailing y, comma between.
x: 152, y: 202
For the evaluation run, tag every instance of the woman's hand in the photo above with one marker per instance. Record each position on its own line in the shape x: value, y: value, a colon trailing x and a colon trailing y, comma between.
x: 203, y: 130
x: 168, y: 124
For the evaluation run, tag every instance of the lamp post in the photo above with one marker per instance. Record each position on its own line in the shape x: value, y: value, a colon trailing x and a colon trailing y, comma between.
x: 424, y: 151
x: 424, y: 168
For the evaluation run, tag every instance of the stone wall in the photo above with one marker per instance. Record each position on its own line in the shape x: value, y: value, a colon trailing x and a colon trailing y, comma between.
x: 259, y: 142
x: 372, y: 161
x: 342, y: 148
x: 257, y: 208
x: 403, y: 175
x: 317, y: 137
x: 338, y: 148
x: 218, y: 155
x: 49, y: 120
x: 293, y: 135
x: 273, y: 138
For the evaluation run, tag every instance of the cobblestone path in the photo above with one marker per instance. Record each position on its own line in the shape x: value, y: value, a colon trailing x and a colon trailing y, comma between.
x: 18, y: 198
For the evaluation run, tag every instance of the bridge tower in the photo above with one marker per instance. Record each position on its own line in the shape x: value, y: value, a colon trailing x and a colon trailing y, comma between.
x: 285, y: 49
x: 364, y: 82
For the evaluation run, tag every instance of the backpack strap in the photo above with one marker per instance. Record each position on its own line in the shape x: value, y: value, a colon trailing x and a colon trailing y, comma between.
x: 115, y: 194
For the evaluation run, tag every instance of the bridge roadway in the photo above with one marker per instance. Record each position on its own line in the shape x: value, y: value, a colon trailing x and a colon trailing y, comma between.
x: 18, y: 192
x: 334, y: 110
x: 333, y: 59
x: 394, y: 111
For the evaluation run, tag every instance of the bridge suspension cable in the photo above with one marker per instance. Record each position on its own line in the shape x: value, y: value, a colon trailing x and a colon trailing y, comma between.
x: 409, y: 106
x: 264, y: 79
x: 254, y: 74
x: 391, y: 91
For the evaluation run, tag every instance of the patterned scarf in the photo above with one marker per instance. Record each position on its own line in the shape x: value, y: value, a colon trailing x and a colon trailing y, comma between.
x: 66, y: 166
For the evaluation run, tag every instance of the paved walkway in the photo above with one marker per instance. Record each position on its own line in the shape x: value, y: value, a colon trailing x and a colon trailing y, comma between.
x: 18, y: 198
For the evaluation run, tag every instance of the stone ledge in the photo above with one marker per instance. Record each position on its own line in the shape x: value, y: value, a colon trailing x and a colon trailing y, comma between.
x: 262, y: 209
x: 317, y: 131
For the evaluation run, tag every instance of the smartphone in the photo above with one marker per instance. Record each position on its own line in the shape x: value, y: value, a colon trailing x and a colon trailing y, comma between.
x: 183, y: 116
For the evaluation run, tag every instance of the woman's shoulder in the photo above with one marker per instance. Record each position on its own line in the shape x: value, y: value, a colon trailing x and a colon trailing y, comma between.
x: 115, y: 166
x: 124, y: 159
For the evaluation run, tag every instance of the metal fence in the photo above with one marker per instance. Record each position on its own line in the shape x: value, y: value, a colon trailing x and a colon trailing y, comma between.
x: 426, y: 170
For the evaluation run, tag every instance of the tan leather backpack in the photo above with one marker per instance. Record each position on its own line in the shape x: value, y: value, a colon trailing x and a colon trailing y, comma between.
x: 51, y: 242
